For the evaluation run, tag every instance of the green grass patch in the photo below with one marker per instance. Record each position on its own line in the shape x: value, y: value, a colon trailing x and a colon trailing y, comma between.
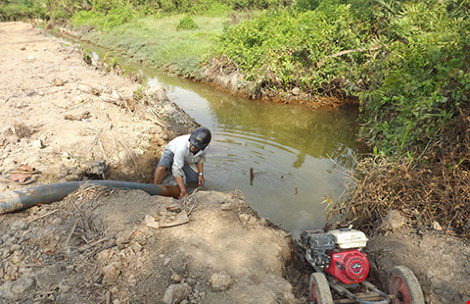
x: 156, y: 40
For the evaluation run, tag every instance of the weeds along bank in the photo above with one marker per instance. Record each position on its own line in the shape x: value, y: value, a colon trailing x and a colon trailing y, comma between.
x: 406, y: 62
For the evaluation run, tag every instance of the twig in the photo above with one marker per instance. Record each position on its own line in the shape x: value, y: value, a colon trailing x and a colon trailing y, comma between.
x: 321, y: 62
x: 158, y: 119
x: 102, y: 149
x: 89, y: 245
x: 71, y: 232
x: 95, y: 141
x: 44, y: 215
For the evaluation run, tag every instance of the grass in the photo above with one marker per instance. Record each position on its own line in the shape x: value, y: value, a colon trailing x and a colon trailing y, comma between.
x: 156, y: 40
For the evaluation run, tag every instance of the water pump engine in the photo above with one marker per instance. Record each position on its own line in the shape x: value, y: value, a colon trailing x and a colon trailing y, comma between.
x: 338, y: 252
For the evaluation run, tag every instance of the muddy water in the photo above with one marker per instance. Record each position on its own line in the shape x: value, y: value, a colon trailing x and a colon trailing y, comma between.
x: 298, y: 156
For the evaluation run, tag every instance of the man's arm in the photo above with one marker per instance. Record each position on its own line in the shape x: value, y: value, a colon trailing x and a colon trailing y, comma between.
x: 180, y: 183
x: 200, y: 170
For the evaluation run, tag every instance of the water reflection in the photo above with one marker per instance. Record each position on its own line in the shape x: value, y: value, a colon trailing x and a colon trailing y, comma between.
x: 296, y: 155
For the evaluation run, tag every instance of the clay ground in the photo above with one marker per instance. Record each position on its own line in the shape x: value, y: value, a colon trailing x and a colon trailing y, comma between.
x: 73, y: 121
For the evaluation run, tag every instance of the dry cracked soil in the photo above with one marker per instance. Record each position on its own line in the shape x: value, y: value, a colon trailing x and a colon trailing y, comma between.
x: 71, y: 121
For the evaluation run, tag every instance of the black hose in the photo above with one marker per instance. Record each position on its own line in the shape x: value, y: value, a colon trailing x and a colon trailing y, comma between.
x: 22, y: 199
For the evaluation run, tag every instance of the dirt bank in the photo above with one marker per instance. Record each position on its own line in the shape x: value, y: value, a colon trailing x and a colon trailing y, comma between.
x: 72, y: 121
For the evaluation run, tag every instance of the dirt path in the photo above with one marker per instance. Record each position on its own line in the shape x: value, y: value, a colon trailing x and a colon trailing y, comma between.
x: 73, y: 121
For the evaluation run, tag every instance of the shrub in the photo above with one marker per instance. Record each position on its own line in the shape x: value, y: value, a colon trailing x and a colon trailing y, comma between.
x: 11, y: 10
x: 186, y: 23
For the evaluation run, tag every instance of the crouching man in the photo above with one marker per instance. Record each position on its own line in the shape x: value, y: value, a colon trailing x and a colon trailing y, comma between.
x: 180, y: 154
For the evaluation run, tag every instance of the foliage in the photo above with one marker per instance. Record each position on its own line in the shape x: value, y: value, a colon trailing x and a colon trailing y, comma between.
x: 11, y: 10
x: 186, y: 23
x: 114, y: 16
x: 417, y: 84
x: 283, y: 49
x: 406, y: 61
x: 155, y: 42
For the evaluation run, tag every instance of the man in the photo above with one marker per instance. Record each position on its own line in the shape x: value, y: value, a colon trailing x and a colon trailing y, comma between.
x: 179, y: 154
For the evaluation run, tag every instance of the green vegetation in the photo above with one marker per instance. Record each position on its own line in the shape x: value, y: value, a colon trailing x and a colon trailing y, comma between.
x: 11, y: 10
x: 286, y: 49
x: 406, y: 61
x: 186, y: 23
x: 157, y: 42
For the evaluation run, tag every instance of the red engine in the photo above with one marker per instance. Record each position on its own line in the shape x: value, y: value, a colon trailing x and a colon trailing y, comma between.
x: 348, y: 266
x: 338, y: 253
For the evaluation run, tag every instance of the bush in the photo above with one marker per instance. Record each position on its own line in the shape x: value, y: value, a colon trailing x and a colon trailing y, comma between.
x: 104, y: 21
x: 11, y: 10
x: 418, y: 83
x: 186, y: 23
x: 284, y: 49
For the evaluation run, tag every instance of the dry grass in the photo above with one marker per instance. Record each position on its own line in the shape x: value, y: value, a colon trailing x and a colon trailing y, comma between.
x: 434, y: 188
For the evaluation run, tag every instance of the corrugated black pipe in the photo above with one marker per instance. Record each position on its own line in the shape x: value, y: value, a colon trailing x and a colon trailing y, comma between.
x: 22, y: 199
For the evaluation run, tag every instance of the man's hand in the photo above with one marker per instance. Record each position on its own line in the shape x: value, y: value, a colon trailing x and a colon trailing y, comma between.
x: 180, y: 183
x: 183, y: 193
x: 200, y: 180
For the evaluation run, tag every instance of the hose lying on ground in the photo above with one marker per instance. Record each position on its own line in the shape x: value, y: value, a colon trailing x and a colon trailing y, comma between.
x: 22, y: 199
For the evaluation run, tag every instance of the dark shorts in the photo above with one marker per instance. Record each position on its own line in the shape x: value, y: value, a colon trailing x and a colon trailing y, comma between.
x: 167, y: 161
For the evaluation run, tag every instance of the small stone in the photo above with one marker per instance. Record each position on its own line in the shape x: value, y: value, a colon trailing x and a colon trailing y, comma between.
x: 175, y: 277
x: 18, y: 289
x: 111, y: 273
x: 226, y: 206
x: 220, y: 281
x: 175, y: 293
x: 17, y: 257
x: 59, y: 82
x: 436, y: 226
x: 296, y: 91
x: 116, y: 95
x: 150, y: 221
x: 38, y: 144
x: 167, y: 261
x: 393, y: 221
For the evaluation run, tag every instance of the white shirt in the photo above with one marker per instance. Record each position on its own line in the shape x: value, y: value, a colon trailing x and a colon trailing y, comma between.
x: 179, y: 146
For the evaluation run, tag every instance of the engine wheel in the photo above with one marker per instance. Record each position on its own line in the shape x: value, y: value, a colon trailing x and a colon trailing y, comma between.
x: 403, y: 284
x: 320, y: 292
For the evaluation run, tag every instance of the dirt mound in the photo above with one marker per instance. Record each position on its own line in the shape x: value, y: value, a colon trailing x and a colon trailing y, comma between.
x: 440, y: 262
x: 90, y: 248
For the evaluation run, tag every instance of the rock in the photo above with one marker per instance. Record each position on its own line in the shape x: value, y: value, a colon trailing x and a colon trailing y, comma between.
x: 175, y: 293
x: 436, y: 226
x: 393, y: 221
x: 247, y: 219
x: 150, y: 221
x: 296, y: 91
x: 15, y: 290
x: 116, y: 95
x: 17, y: 257
x: 38, y: 144
x: 59, y: 82
x: 220, y: 281
x: 175, y: 277
x: 111, y: 273
x: 19, y: 226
